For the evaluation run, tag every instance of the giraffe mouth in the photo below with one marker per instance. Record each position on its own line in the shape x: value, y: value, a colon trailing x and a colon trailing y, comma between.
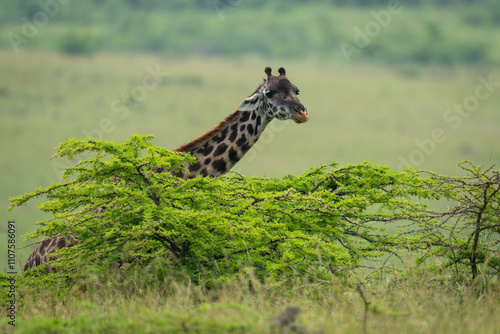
x: 301, y: 117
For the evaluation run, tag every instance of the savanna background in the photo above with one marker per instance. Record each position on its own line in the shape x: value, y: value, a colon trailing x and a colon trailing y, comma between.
x: 383, y: 82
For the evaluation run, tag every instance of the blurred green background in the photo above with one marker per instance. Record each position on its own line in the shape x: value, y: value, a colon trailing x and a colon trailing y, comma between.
x: 393, y: 82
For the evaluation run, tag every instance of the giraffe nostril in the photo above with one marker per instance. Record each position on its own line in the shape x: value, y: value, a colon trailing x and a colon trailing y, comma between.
x: 300, y: 108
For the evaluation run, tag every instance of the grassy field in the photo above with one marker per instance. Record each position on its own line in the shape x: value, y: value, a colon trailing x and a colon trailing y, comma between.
x: 417, y: 303
x: 364, y: 112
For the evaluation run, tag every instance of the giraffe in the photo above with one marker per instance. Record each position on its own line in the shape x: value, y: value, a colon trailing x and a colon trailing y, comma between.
x: 219, y: 149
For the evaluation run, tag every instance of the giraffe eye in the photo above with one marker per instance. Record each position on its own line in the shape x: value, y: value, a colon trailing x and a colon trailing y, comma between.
x: 297, y: 92
x: 270, y: 94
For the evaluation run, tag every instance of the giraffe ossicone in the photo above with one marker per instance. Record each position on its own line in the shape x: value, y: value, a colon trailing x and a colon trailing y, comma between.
x: 219, y: 149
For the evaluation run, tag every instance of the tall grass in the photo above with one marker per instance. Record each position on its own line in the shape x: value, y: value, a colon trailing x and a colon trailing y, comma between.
x: 408, y: 302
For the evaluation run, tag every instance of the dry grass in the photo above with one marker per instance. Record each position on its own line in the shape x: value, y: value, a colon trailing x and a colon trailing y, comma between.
x: 409, y: 303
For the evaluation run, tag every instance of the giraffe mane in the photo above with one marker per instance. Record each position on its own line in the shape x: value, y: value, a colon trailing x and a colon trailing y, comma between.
x: 208, y: 135
x: 214, y: 132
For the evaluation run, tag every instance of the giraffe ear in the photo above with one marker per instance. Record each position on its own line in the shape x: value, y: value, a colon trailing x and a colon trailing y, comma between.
x: 250, y: 103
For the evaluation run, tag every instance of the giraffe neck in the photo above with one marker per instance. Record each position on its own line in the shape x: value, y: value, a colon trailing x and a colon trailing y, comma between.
x: 218, y: 150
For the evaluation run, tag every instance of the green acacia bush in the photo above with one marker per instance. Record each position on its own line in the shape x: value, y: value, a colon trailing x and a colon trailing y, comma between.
x: 318, y: 225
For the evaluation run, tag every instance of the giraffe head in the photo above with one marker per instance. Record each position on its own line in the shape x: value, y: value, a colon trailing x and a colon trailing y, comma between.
x: 276, y: 98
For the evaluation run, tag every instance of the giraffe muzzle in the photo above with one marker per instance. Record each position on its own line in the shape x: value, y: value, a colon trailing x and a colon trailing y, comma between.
x: 301, y: 115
